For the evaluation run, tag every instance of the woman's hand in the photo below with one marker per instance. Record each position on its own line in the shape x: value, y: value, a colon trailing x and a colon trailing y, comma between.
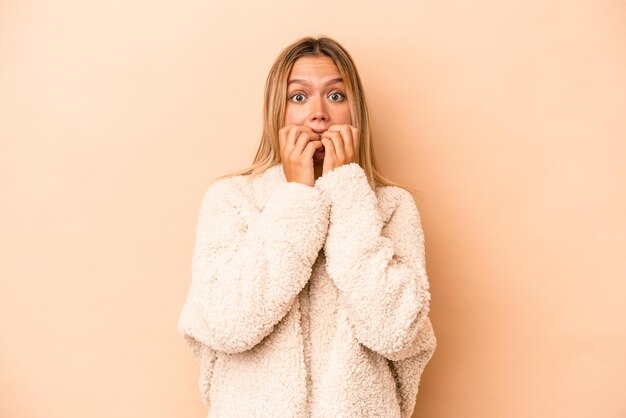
x: 341, y: 146
x: 297, y: 146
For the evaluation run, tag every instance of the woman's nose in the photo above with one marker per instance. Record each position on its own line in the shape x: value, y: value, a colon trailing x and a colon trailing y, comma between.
x: 318, y: 110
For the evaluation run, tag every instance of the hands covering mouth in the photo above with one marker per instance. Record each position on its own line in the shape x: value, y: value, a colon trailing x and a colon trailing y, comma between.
x: 339, y: 145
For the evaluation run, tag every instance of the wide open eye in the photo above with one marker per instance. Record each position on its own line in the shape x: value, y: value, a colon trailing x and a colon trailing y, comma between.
x: 338, y: 93
x: 296, y: 95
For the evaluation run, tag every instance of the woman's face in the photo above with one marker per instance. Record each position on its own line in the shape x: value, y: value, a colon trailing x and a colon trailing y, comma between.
x: 316, y: 96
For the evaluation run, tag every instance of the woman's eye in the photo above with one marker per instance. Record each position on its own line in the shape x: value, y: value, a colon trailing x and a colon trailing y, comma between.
x: 337, y: 94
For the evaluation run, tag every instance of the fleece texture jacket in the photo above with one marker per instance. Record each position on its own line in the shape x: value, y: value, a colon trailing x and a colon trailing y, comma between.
x: 308, y: 301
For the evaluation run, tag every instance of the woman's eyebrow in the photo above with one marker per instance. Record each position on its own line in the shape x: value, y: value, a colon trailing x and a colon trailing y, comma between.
x: 296, y: 80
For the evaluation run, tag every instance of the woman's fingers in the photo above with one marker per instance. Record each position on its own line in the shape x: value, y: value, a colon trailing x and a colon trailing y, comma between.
x: 292, y: 137
x: 342, y: 146
x: 306, y: 135
x: 346, y: 136
x: 348, y: 146
x: 330, y: 155
x: 310, y: 149
x: 293, y: 140
x: 298, y: 144
x: 346, y: 140
x: 337, y: 141
x: 283, y: 134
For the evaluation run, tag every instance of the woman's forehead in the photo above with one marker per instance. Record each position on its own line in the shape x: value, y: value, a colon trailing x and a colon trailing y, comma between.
x: 314, y: 66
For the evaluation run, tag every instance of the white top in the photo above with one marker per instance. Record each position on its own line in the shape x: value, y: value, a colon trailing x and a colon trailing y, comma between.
x: 308, y: 301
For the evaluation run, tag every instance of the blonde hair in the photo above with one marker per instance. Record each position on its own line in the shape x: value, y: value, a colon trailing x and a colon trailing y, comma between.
x: 268, y: 153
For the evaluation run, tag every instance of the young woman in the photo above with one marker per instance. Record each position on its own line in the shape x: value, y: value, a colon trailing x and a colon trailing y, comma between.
x: 309, y: 295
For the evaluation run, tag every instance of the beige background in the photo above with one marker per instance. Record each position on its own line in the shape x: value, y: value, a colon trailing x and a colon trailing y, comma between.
x: 508, y: 117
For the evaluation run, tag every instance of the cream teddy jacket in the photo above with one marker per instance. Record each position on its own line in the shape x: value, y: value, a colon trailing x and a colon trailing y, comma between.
x: 308, y: 301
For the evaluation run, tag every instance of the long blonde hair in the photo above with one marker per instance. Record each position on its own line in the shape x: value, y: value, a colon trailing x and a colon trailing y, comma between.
x: 268, y: 153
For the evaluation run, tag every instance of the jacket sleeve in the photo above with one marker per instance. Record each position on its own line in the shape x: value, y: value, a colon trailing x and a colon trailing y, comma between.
x: 247, y: 270
x: 378, y: 269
